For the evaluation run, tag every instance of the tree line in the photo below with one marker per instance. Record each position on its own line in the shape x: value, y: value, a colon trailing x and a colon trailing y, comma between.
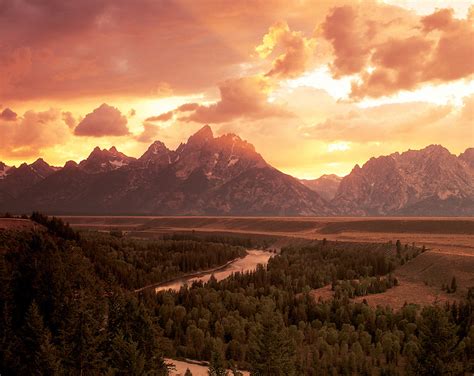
x: 67, y: 306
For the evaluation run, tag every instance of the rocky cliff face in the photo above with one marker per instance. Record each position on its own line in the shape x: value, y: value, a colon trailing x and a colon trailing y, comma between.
x: 4, y: 170
x: 226, y: 176
x: 105, y: 160
x: 325, y: 185
x: 431, y: 181
x: 468, y: 157
x: 205, y: 175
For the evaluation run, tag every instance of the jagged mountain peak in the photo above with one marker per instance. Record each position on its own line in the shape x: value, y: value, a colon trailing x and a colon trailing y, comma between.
x: 429, y: 152
x: 40, y: 162
x: 70, y: 165
x: 202, y: 136
x: 218, y: 158
x: 157, y: 154
x: 97, y: 151
x: 3, y: 170
x: 156, y: 148
x: 427, y: 181
x: 225, y: 175
x: 436, y: 148
x: 468, y: 157
x: 234, y: 140
x: 100, y: 160
x: 356, y: 168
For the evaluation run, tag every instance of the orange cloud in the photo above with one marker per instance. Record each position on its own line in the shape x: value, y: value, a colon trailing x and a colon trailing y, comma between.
x: 399, y: 64
x: 245, y: 97
x: 69, y: 119
x: 392, y: 53
x: 241, y: 97
x: 27, y: 136
x: 188, y: 107
x: 343, y: 29
x: 8, y: 115
x: 105, y: 120
x: 64, y: 49
x: 297, y: 51
x: 149, y: 133
x: 365, y: 125
x: 163, y: 117
x: 453, y: 57
x: 15, y: 66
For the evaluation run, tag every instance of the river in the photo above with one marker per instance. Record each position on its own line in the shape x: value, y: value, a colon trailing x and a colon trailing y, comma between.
x: 245, y: 264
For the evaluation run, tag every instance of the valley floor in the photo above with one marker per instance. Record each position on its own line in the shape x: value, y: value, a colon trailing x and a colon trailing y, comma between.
x: 195, y: 368
x: 450, y: 243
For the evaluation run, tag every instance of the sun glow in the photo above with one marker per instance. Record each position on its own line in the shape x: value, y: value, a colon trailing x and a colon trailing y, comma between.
x: 338, y: 146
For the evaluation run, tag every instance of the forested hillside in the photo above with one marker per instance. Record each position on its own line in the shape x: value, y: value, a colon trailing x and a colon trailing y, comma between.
x: 68, y: 306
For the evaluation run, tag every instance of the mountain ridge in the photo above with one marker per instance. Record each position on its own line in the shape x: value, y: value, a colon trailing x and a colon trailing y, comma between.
x: 205, y: 175
x: 225, y: 175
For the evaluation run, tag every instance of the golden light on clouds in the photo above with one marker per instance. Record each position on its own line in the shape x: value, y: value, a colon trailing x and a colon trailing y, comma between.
x: 315, y: 86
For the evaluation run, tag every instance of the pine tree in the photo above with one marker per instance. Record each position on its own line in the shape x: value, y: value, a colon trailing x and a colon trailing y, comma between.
x: 398, y: 245
x: 217, y: 366
x: 437, y: 341
x: 454, y: 285
x: 126, y: 359
x: 39, y: 353
x: 271, y: 351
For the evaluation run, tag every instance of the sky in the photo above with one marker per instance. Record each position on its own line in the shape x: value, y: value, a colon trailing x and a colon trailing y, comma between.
x: 316, y: 86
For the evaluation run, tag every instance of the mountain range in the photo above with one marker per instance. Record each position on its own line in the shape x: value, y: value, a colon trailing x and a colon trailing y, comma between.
x: 225, y: 175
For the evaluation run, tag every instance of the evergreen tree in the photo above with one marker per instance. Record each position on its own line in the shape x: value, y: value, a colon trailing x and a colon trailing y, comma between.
x: 437, y: 341
x: 454, y: 285
x: 217, y: 366
x: 39, y: 356
x: 126, y: 358
x: 272, y: 351
x: 398, y: 245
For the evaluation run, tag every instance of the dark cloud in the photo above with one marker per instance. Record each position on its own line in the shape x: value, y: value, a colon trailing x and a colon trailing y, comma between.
x: 66, y: 49
x: 245, y: 97
x: 105, y: 120
x: 163, y: 117
x: 391, y: 53
x: 8, y: 115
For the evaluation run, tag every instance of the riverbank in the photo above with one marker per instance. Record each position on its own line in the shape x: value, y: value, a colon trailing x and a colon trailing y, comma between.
x: 253, y: 258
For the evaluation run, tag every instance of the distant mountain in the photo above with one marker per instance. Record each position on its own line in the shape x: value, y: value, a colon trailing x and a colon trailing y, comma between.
x: 157, y: 155
x: 468, y: 157
x: 15, y: 180
x: 205, y: 175
x: 225, y: 175
x: 105, y: 160
x: 325, y: 185
x: 431, y: 181
x: 3, y: 170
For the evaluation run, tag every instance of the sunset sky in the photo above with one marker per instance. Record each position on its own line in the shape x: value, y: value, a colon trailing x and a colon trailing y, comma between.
x: 316, y: 86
